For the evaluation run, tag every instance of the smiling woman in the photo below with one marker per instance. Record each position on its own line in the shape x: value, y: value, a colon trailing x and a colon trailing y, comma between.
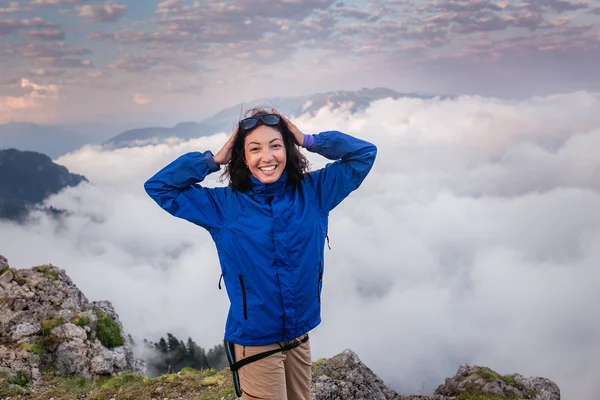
x: 269, y: 227
x: 265, y: 146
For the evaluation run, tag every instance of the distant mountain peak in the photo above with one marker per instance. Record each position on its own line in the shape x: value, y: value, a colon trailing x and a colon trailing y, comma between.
x: 225, y: 119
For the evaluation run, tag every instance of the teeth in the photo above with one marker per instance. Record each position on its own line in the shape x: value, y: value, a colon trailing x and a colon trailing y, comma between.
x: 268, y: 168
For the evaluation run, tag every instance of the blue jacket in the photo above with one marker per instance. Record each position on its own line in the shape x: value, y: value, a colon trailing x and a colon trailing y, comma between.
x: 270, y: 239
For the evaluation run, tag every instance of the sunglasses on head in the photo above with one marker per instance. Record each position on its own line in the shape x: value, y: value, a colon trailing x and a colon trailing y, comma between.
x: 252, y: 122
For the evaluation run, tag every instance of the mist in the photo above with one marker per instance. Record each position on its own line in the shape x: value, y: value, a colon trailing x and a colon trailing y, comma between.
x: 475, y: 239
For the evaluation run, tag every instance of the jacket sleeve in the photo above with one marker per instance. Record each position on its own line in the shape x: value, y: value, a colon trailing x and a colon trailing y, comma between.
x: 354, y: 159
x: 175, y: 189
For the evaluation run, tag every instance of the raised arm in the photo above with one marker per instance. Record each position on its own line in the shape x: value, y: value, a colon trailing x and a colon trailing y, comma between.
x: 175, y: 188
x: 353, y: 161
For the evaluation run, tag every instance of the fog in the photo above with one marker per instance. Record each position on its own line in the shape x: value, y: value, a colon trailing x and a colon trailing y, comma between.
x: 475, y: 239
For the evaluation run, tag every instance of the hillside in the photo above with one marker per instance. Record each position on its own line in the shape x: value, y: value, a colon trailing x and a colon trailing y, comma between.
x: 27, y: 178
x: 224, y: 120
x: 55, y: 344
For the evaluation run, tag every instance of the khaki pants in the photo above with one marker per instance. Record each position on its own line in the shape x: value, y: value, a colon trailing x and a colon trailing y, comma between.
x: 281, y: 376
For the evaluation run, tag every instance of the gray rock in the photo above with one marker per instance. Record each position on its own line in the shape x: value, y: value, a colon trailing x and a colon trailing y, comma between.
x: 25, y: 329
x: 70, y: 359
x: 42, y: 308
x: 6, y: 277
x: 482, y: 380
x: 346, y: 377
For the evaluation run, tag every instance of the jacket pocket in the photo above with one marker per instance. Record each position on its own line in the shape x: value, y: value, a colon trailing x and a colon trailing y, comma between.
x: 244, y: 296
x: 320, y: 281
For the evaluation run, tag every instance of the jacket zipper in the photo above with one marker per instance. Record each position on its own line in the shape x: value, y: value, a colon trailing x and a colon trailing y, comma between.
x: 282, y: 304
x: 244, y: 297
x: 320, y: 280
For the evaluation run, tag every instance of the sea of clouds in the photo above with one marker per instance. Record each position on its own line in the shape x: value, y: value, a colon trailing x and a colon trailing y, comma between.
x: 475, y: 239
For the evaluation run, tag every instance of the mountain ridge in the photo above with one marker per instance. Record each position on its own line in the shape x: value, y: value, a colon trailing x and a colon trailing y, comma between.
x: 225, y: 119
x: 27, y: 178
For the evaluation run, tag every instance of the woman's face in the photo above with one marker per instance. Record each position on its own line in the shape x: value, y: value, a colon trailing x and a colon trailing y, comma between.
x: 265, y: 155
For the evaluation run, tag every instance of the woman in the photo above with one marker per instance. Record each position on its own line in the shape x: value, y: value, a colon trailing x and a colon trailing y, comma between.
x: 269, y: 227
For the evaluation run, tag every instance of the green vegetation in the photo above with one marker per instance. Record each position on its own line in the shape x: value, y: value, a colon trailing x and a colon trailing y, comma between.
x: 41, y: 268
x: 6, y: 269
x: 82, y: 321
x: 487, y: 375
x: 173, y: 355
x: 108, y: 331
x: 34, y: 348
x: 490, y: 376
x: 48, y: 273
x: 191, y: 384
x: 479, y: 396
x: 20, y: 378
x: 49, y: 324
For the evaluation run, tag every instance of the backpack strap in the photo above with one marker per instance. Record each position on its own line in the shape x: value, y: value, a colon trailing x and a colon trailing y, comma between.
x: 245, y: 361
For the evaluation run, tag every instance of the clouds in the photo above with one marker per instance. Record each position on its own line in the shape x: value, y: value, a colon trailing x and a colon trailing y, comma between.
x: 475, y: 238
x: 107, y: 12
x: 51, y: 54
x: 34, y: 101
x: 53, y: 34
x: 8, y: 26
x: 237, y: 49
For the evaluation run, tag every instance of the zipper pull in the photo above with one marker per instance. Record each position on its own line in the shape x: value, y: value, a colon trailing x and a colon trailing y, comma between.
x: 220, y: 279
x: 327, y: 237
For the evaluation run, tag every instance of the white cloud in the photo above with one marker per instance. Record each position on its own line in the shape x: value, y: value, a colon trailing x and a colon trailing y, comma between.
x: 34, y: 105
x: 107, y: 12
x: 476, y: 238
x: 141, y: 99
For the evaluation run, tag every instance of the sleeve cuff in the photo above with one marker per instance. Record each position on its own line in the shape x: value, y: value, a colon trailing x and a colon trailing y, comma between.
x: 309, y: 141
x: 210, y: 162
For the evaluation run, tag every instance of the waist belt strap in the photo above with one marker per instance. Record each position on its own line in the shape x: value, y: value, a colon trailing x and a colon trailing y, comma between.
x: 239, y: 364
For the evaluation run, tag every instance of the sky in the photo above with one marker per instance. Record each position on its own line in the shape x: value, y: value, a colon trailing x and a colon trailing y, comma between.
x: 474, y: 239
x: 125, y: 61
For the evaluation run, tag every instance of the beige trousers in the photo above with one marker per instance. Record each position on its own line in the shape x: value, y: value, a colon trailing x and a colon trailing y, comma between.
x: 281, y: 376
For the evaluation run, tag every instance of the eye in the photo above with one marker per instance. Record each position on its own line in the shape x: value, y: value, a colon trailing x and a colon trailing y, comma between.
x: 254, y: 149
x: 276, y: 145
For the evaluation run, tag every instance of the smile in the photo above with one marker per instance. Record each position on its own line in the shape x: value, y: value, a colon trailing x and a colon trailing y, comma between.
x: 267, y: 169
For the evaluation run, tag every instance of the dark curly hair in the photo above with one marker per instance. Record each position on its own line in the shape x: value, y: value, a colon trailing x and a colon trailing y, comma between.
x: 238, y: 174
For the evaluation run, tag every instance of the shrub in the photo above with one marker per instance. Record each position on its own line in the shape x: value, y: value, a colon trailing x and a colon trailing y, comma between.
x: 82, y: 321
x: 20, y: 378
x: 108, y: 331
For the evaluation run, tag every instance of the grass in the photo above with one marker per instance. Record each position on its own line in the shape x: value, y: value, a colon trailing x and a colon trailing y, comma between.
x: 490, y: 376
x: 82, y: 321
x: 44, y: 269
x: 479, y: 396
x: 34, y: 348
x: 189, y: 384
x: 49, y: 324
x: 19, y: 379
x: 487, y: 375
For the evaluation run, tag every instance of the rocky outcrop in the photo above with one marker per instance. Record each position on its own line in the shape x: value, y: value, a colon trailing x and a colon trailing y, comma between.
x: 345, y: 377
x: 47, y: 323
x: 482, y: 380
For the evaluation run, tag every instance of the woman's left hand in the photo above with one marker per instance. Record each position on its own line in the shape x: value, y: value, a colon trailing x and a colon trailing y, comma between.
x: 298, y: 135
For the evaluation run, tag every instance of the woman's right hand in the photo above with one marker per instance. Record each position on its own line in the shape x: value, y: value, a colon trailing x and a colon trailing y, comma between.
x: 224, y: 155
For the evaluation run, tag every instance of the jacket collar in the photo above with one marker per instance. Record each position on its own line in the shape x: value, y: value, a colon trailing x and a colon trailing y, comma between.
x: 269, y: 188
